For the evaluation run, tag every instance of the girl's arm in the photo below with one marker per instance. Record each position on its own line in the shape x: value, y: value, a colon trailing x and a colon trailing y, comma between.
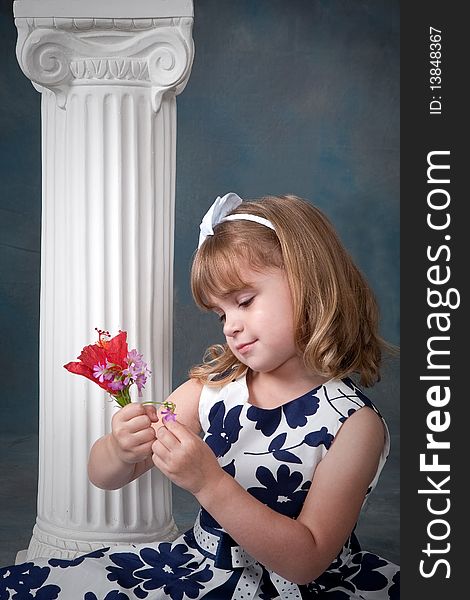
x: 299, y: 550
x: 126, y: 453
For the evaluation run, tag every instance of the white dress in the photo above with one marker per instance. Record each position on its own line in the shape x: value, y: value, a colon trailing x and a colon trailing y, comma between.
x: 273, y: 454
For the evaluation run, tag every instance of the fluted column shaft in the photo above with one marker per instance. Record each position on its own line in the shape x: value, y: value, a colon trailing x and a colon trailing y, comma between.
x: 109, y: 133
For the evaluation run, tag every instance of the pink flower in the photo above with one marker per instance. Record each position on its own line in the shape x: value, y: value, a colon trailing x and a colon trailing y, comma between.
x: 140, y: 382
x: 117, y: 385
x: 99, y: 371
x: 168, y: 415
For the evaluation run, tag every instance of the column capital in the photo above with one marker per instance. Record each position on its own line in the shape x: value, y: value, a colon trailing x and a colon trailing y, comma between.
x: 108, y: 43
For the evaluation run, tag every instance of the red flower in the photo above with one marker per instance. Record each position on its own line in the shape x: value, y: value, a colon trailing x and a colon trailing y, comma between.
x: 104, y: 352
x: 109, y: 364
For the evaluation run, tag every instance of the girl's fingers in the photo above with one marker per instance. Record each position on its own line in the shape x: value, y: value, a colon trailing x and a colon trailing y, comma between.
x: 129, y: 411
x: 159, y: 452
x: 143, y: 449
x: 136, y: 409
x: 166, y: 437
x: 139, y: 423
x: 180, y: 431
x: 143, y: 436
x: 151, y: 412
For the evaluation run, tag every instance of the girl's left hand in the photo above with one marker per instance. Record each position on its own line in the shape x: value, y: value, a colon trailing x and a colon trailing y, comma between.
x: 185, y: 458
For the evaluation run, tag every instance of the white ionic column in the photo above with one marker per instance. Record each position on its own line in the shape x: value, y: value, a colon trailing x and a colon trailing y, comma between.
x: 108, y: 72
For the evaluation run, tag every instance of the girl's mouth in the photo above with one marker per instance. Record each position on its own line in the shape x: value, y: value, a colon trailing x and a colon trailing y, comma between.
x: 243, y: 348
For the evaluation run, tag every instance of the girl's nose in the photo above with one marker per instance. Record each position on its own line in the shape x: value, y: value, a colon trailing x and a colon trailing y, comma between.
x: 232, y: 325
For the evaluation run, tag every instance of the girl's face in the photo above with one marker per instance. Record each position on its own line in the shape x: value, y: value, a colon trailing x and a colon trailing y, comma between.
x: 258, y: 321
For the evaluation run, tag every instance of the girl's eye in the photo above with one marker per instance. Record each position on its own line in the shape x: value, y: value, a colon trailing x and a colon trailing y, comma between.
x: 221, y: 318
x: 246, y: 303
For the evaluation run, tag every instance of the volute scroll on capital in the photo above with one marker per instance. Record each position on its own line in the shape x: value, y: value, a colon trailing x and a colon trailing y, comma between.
x: 59, y: 53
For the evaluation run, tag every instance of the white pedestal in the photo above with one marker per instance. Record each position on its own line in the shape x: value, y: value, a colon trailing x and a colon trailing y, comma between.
x: 108, y: 81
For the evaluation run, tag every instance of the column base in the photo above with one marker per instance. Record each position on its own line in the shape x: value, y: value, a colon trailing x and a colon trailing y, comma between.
x: 21, y: 556
x: 48, y: 545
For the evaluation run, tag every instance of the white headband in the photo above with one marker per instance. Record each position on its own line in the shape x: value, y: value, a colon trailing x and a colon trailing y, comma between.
x: 218, y: 213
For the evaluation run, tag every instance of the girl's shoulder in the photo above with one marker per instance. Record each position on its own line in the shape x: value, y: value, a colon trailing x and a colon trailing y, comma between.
x: 344, y: 399
x: 186, y: 397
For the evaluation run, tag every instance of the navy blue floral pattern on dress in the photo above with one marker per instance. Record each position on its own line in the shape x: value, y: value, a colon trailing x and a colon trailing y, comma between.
x: 230, y: 468
x: 223, y: 430
x: 169, y: 568
x: 27, y: 581
x: 284, y: 454
x: 74, y: 562
x: 283, y: 492
x: 114, y: 595
x: 296, y: 413
x: 367, y: 576
x: 273, y: 454
x: 319, y: 438
x: 359, y: 393
x: 127, y: 563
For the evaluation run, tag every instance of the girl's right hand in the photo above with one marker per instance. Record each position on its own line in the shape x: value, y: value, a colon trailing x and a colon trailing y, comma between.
x: 133, y: 433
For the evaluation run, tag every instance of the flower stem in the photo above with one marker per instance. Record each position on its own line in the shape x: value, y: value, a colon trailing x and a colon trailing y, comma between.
x: 170, y: 406
x: 123, y: 397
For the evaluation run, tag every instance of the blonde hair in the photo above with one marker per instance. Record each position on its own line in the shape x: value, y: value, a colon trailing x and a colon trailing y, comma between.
x: 335, y: 312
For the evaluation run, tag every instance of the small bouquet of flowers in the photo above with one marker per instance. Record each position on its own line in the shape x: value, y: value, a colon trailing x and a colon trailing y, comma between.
x: 110, y: 364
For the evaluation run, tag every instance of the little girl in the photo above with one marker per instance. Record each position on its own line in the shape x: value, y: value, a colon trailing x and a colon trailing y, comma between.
x: 291, y: 449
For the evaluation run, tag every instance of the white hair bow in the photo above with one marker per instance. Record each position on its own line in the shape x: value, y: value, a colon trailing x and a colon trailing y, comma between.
x: 219, y: 209
x: 218, y: 212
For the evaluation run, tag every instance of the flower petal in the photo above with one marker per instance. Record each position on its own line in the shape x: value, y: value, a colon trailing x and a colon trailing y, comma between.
x: 82, y: 369
x: 116, y: 349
